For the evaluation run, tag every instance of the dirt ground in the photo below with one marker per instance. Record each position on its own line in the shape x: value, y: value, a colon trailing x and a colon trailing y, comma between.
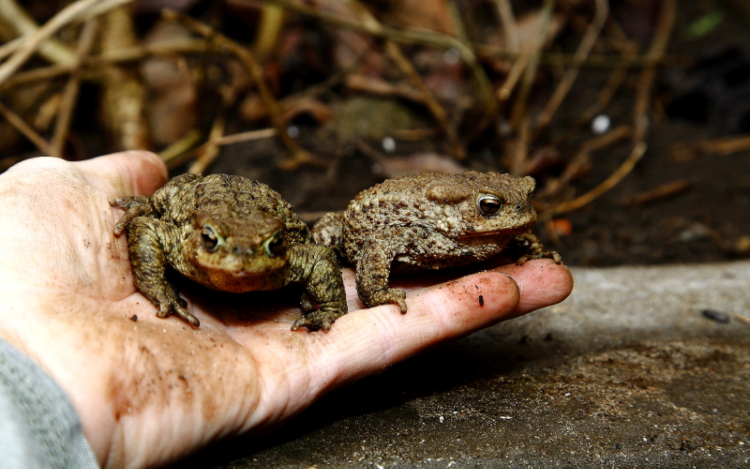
x: 705, y: 222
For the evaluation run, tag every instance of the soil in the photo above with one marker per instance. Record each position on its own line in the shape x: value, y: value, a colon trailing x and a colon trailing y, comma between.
x: 707, y: 222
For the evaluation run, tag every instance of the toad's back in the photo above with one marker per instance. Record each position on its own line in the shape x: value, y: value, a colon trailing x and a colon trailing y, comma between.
x: 226, y: 195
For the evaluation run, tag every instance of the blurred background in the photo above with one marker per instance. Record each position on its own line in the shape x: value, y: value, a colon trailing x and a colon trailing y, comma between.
x: 633, y: 115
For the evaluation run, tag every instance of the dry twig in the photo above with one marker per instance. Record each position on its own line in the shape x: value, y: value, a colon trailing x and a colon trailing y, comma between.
x: 510, y: 28
x: 13, y: 16
x: 584, y: 48
x: 665, y: 190
x: 438, y: 113
x: 210, y: 150
x: 718, y: 147
x: 180, y: 151
x: 124, y: 99
x: 70, y: 93
x: 269, y: 30
x: 635, y: 155
x: 92, y: 64
x: 185, y: 149
x: 245, y: 136
x: 31, y: 41
x: 582, y: 157
x: 519, y: 116
x: 511, y: 80
x: 27, y: 131
x: 646, y: 80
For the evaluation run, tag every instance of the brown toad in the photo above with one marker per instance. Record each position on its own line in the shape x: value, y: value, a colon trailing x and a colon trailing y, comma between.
x: 430, y: 221
x: 232, y: 234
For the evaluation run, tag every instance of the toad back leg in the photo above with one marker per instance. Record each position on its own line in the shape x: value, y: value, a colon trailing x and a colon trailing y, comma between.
x: 136, y: 206
x: 317, y: 268
x: 149, y: 242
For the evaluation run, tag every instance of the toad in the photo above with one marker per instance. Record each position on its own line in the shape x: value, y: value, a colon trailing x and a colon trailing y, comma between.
x: 232, y: 234
x: 431, y: 221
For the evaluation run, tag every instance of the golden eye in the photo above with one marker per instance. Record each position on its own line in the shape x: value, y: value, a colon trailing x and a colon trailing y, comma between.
x: 274, y: 245
x: 489, y: 203
x: 211, y: 240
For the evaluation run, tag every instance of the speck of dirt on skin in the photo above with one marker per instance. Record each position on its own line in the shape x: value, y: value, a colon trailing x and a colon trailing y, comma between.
x: 481, y: 300
x: 134, y: 318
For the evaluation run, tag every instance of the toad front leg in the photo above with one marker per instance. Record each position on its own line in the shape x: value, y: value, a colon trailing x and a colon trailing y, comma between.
x: 374, y: 269
x: 532, y: 248
x: 316, y: 268
x: 151, y: 242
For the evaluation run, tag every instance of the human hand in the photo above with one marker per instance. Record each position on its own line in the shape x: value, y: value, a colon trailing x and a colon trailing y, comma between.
x: 151, y: 390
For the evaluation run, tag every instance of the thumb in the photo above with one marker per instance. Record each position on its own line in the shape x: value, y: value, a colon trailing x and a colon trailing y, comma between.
x: 134, y: 172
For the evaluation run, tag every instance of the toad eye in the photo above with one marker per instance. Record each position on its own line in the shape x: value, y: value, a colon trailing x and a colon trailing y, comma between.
x: 489, y: 203
x: 211, y: 239
x: 274, y: 245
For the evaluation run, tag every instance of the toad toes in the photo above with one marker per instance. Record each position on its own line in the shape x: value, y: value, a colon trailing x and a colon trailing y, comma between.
x: 231, y: 234
x: 430, y: 221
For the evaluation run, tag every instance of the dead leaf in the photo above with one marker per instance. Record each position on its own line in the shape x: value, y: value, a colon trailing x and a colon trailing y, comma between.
x: 528, y: 31
x: 173, y: 94
x: 418, y: 163
x: 378, y: 86
x: 254, y: 109
x: 431, y: 15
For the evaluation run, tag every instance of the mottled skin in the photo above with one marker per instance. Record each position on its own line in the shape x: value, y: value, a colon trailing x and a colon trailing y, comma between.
x: 431, y: 221
x: 232, y: 234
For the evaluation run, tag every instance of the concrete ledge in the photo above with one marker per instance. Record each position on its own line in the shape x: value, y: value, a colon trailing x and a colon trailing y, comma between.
x: 626, y: 372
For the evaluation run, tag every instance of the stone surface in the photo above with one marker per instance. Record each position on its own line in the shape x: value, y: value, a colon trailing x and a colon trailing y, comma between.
x: 627, y: 372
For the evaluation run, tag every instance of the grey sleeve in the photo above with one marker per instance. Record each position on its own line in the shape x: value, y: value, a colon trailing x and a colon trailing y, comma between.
x: 39, y: 427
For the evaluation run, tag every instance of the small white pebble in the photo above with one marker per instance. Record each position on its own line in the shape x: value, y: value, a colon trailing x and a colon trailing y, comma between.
x: 451, y: 56
x: 389, y: 144
x: 600, y: 124
x: 441, y: 419
x: 567, y: 394
x: 293, y: 131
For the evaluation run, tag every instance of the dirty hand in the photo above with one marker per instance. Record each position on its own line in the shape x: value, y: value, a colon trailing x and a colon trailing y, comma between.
x: 151, y: 390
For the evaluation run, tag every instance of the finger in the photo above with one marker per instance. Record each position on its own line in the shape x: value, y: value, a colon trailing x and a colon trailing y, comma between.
x: 125, y: 173
x: 367, y: 341
x: 542, y: 283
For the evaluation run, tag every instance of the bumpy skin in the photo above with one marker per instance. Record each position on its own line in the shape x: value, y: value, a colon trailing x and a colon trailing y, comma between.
x: 431, y: 221
x: 231, y: 234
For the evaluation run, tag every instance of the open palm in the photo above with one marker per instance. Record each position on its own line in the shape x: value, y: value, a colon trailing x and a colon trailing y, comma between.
x: 150, y: 390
